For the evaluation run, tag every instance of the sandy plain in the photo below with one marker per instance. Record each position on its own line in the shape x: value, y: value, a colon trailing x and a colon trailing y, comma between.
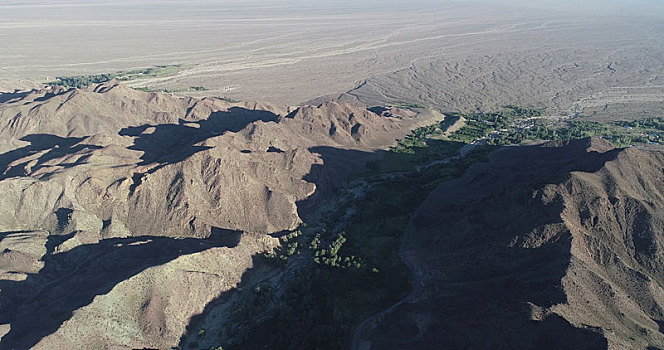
x: 455, y: 55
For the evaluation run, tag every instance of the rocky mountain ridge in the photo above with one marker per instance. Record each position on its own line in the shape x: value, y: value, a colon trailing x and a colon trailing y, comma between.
x: 113, y: 194
x: 548, y: 247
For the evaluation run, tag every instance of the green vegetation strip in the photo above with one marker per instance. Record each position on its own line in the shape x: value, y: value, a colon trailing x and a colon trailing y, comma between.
x: 514, y: 125
x: 352, y: 274
x: 80, y: 81
x: 423, y: 145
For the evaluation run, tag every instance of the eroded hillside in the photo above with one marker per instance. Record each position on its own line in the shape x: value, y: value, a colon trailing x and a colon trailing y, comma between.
x: 554, y: 246
x: 128, y: 211
x: 133, y: 219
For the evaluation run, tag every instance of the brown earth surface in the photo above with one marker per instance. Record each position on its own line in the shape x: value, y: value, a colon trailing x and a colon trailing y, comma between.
x: 124, y: 212
x: 557, y: 246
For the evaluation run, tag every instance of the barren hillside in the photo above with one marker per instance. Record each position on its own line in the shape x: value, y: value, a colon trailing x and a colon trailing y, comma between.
x: 556, y: 246
x: 128, y: 211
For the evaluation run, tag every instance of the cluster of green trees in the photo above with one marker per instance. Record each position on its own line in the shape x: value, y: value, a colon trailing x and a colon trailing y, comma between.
x: 80, y: 81
x: 545, y: 131
x: 472, y: 131
x: 515, y: 112
x: 577, y: 129
x: 290, y: 245
x: 648, y: 123
x: 513, y: 126
x: 325, y: 255
x: 416, y: 139
x: 329, y: 256
x: 422, y: 145
x: 481, y: 125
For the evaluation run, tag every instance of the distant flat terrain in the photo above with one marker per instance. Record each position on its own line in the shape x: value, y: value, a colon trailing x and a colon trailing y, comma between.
x: 456, y: 56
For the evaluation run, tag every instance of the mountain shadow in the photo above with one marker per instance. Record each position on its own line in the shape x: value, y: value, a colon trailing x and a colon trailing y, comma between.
x: 8, y: 96
x: 476, y: 298
x: 338, y: 164
x: 171, y: 143
x: 37, y: 306
x: 490, y: 254
x: 53, y: 147
x: 329, y: 177
x: 7, y: 233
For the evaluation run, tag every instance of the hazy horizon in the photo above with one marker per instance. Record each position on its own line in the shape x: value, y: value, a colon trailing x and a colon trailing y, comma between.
x: 47, y: 38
